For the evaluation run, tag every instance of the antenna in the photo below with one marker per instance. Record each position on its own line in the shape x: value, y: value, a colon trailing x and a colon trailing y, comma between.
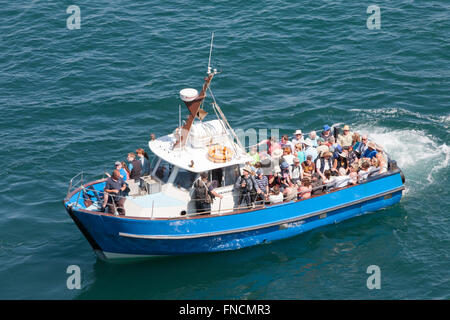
x: 210, y: 51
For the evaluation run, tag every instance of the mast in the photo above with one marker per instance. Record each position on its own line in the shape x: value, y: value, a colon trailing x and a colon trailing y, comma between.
x: 194, y: 105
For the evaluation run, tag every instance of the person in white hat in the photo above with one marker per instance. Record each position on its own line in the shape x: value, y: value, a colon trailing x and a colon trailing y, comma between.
x: 298, y: 137
x: 345, y: 139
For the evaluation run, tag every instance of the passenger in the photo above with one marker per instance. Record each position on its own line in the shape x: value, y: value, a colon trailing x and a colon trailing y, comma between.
x: 204, y: 194
x: 245, y: 186
x: 304, y: 192
x: 290, y: 191
x: 322, y: 146
x: 335, y: 147
x: 284, y: 166
x: 295, y: 171
x: 263, y: 184
x: 353, y: 174
x: 285, y: 183
x: 288, y: 156
x: 310, y: 150
x: 134, y: 166
x: 327, y: 174
x: 364, y: 172
x: 345, y: 139
x: 127, y: 171
x: 355, y: 140
x: 374, y: 164
x: 308, y: 167
x: 382, y: 158
x: 300, y: 153
x: 275, y: 196
x: 324, y: 163
x: 326, y: 133
x: 361, y: 147
x: 352, y: 157
x: 313, y: 136
x: 275, y: 180
x: 370, y: 151
x: 254, y: 154
x: 374, y: 168
x: 285, y: 176
x: 123, y: 172
x: 341, y: 162
x: 298, y: 137
x: 286, y: 143
x: 256, y: 191
x: 341, y: 180
x: 145, y: 162
x: 271, y: 144
x: 114, y: 194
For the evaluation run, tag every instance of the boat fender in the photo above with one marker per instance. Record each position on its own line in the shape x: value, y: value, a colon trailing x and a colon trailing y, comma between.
x: 402, y: 176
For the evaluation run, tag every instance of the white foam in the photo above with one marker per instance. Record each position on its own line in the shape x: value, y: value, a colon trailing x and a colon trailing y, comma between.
x: 417, y: 154
x: 394, y: 112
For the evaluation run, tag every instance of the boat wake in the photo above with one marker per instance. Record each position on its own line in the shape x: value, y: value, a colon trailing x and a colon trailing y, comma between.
x: 417, y: 153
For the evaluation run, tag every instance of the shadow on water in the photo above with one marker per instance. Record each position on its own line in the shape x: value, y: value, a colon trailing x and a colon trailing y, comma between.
x: 179, y: 276
x: 171, y: 277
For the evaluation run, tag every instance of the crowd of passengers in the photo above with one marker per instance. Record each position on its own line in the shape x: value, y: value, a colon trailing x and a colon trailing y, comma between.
x: 116, y: 188
x: 303, y: 167
x: 297, y: 168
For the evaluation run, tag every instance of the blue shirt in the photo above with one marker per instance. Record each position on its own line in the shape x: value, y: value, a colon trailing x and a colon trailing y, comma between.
x: 369, y: 153
x: 123, y: 174
x: 301, y: 156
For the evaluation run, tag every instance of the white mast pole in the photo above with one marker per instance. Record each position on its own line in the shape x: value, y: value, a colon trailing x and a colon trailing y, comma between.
x: 210, y: 51
x: 179, y: 122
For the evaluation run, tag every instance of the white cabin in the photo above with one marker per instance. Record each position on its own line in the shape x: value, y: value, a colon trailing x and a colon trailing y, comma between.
x: 166, y: 193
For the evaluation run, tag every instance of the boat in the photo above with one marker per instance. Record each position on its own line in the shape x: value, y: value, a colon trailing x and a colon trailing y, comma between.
x: 160, y: 214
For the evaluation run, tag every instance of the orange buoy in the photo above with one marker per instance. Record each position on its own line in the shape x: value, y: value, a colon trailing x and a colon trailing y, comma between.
x: 220, y: 154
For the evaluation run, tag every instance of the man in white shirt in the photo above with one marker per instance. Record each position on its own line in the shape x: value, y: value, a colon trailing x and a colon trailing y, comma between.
x: 341, y: 180
x: 324, y: 163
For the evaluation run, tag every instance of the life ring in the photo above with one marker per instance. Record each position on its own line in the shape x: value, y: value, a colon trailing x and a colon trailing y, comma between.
x: 218, y: 153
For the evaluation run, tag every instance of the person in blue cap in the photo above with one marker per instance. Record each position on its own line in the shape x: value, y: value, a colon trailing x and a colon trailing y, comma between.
x: 326, y: 133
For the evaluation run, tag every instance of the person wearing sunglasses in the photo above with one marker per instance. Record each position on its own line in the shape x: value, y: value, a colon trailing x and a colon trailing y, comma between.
x: 362, y: 146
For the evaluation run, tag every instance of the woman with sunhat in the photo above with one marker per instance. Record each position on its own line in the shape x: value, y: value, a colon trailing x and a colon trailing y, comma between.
x: 370, y: 152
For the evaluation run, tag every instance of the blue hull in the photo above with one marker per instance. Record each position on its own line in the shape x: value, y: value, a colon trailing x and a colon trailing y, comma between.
x: 113, y: 236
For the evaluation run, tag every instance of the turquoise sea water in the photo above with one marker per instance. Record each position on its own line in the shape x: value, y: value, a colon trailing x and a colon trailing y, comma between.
x: 82, y: 99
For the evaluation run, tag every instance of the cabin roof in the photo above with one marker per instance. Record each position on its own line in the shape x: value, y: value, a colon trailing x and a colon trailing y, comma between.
x: 201, y: 137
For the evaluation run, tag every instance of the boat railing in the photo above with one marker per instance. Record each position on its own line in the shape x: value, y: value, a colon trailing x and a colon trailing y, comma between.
x: 262, y: 202
x: 80, y: 179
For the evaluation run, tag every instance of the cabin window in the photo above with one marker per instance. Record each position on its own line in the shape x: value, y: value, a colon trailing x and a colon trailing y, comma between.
x: 163, y: 171
x: 184, y: 179
x: 230, y: 175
